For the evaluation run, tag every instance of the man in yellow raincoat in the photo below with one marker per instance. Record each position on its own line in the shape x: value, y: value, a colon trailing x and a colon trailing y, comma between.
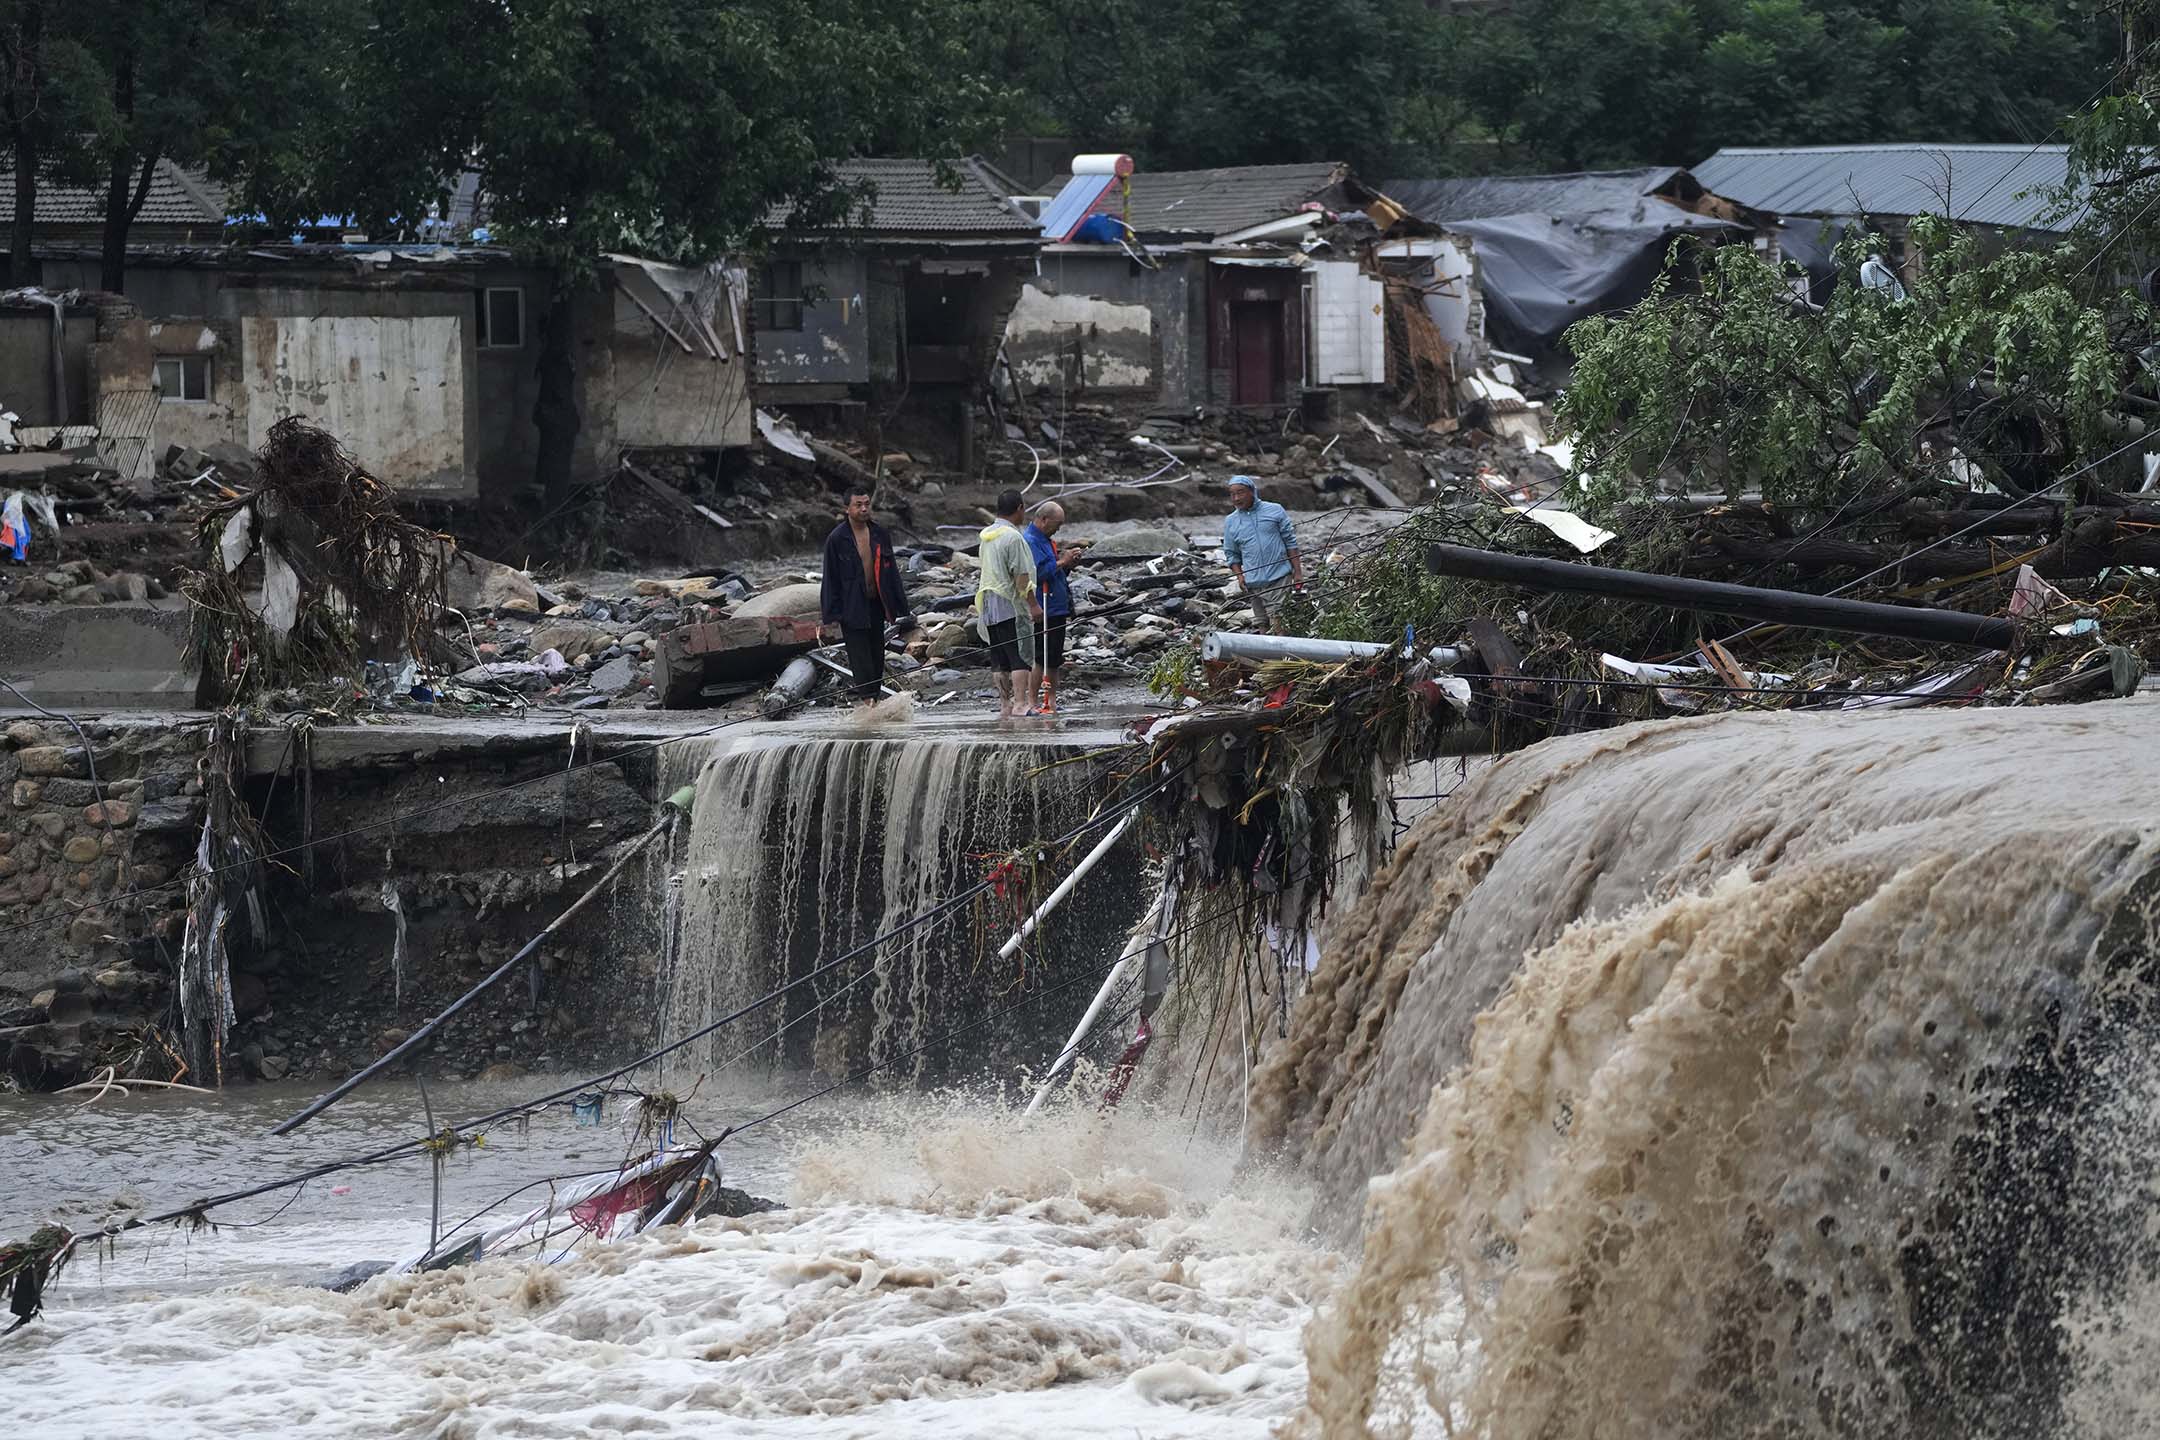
x: 1006, y: 609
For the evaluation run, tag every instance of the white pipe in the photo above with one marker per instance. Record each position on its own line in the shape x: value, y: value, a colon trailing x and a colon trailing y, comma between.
x: 1079, y: 1033
x: 1258, y: 649
x: 1027, y: 926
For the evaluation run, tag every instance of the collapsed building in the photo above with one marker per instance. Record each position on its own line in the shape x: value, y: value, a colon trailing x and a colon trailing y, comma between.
x: 1251, y: 286
x: 1555, y: 249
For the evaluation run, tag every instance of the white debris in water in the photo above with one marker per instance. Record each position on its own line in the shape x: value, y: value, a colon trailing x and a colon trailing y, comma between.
x: 961, y: 1274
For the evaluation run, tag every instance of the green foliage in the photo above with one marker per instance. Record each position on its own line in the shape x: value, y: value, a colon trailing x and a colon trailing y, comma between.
x: 671, y: 127
x: 1187, y: 83
x: 1735, y: 384
x: 1585, y: 84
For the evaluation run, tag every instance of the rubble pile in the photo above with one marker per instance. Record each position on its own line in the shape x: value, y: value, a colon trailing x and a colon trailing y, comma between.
x: 90, y: 534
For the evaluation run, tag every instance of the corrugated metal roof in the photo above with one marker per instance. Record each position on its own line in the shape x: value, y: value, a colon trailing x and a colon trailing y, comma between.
x: 2005, y: 185
x: 1480, y: 197
x: 176, y: 198
x: 910, y: 201
x: 1207, y: 203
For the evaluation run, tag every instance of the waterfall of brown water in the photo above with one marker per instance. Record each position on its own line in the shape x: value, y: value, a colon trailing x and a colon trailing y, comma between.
x: 802, y: 849
x: 1753, y: 1076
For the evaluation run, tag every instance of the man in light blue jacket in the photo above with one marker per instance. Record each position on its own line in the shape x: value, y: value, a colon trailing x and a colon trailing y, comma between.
x: 1260, y: 546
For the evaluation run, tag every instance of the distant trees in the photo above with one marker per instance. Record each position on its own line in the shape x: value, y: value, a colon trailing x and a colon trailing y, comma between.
x: 1399, y: 85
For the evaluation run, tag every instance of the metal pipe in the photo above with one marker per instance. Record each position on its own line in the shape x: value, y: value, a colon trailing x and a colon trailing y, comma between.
x: 1064, y: 888
x: 677, y: 806
x: 1259, y: 649
x: 1748, y: 602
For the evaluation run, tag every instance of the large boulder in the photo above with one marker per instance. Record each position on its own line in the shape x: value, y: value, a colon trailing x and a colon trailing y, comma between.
x: 482, y: 586
x: 803, y: 600
x: 1139, y: 542
x: 571, y: 638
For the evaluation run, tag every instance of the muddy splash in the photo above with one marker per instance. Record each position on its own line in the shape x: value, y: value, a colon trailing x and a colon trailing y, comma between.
x: 953, y: 1271
x: 1760, y: 1076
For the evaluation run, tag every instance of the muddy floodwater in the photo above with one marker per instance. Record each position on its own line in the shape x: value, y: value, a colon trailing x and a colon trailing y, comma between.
x: 944, y: 1269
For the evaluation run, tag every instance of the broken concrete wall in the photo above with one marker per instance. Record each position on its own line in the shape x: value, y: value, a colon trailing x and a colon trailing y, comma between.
x: 833, y: 345
x: 387, y: 373
x: 639, y: 389
x: 1107, y: 287
x: 26, y: 365
x: 202, y: 311
x: 1078, y: 343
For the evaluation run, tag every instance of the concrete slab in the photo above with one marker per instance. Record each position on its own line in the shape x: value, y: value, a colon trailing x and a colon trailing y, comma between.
x: 99, y: 656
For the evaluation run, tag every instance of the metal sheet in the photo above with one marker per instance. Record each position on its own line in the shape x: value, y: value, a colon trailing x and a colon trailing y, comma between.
x: 2006, y: 185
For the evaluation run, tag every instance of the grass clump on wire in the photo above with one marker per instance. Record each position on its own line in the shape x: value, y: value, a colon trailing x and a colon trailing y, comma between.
x: 311, y: 573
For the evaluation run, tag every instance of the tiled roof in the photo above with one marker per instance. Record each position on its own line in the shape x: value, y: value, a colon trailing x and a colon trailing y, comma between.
x: 910, y: 201
x: 1209, y: 203
x: 2004, y: 185
x: 176, y: 198
x: 1481, y: 197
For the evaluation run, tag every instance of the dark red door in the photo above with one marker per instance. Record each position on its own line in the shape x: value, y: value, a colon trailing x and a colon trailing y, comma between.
x: 1256, y: 351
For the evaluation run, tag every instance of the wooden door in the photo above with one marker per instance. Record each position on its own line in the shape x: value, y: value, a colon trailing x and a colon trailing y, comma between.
x: 1256, y: 351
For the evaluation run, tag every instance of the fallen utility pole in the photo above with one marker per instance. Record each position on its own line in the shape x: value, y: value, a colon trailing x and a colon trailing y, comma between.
x: 1747, y: 602
x: 677, y: 806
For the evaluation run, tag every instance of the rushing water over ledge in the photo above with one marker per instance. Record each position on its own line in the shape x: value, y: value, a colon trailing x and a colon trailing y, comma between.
x: 1777, y: 1076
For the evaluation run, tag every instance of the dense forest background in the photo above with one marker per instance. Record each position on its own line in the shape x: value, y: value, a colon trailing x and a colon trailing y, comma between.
x: 1411, y: 87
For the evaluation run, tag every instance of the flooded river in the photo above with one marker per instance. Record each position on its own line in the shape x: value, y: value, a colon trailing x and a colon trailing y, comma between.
x: 946, y: 1269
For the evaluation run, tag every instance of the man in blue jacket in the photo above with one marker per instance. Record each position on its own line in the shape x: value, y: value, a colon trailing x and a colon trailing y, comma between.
x: 1051, y: 563
x: 861, y: 593
x: 1260, y: 546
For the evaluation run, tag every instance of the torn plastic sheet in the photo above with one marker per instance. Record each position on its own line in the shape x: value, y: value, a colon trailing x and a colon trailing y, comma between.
x: 280, y: 593
x: 237, y: 540
x: 1541, y: 273
x: 1578, y: 532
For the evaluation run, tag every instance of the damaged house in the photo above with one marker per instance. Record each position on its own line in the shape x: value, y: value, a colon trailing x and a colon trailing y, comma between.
x: 1555, y: 249
x: 892, y: 321
x: 1818, y: 192
x: 420, y: 357
x: 1249, y: 286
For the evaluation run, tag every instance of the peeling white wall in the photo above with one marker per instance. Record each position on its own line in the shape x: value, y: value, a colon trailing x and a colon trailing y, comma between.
x: 1117, y: 340
x: 391, y: 388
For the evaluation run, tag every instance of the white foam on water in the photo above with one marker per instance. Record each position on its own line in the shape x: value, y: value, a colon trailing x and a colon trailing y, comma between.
x: 957, y: 1272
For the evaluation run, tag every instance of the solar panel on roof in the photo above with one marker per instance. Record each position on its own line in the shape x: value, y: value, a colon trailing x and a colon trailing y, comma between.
x: 1074, y: 204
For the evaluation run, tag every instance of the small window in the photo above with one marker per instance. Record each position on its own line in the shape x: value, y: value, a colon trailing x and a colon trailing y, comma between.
x: 184, y: 377
x: 779, y: 302
x: 502, y: 317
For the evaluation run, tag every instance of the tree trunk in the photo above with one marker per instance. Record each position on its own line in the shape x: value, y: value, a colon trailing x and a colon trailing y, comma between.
x: 555, y: 412
x: 120, y: 189
x: 23, y: 97
x: 22, y: 263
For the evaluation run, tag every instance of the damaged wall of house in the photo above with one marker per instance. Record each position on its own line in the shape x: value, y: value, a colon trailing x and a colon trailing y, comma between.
x: 819, y: 334
x: 640, y: 389
x: 1136, y: 319
x: 1444, y: 270
x: 393, y: 387
x: 1078, y: 343
x: 27, y: 380
x: 1349, y: 325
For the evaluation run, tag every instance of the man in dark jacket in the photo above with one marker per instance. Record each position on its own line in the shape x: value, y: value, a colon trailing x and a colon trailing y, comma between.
x: 862, y: 593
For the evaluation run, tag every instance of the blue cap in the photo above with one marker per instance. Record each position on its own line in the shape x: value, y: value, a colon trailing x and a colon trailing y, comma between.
x: 1247, y: 481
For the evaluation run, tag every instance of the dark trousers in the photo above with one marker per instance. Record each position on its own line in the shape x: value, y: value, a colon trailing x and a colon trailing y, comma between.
x: 865, y: 659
